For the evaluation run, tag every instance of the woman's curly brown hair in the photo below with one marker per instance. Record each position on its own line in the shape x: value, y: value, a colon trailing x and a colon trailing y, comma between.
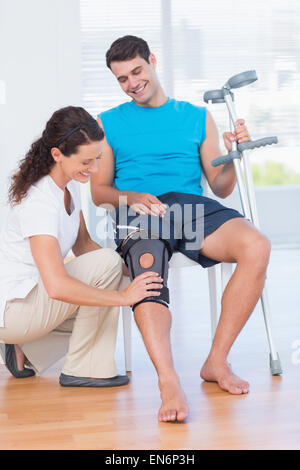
x: 38, y: 161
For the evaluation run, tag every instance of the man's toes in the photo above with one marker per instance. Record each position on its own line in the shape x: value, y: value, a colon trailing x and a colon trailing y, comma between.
x: 232, y: 388
x: 181, y: 415
x: 235, y: 390
x: 240, y: 388
x: 244, y: 386
x: 171, y: 415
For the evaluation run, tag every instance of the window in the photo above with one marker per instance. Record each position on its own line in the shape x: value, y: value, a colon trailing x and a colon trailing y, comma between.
x: 199, y: 45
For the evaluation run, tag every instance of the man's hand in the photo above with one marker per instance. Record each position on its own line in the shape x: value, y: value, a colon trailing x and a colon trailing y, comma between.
x: 240, y: 134
x: 144, y: 203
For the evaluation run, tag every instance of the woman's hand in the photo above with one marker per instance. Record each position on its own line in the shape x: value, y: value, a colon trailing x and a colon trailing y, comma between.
x: 140, y: 288
x: 239, y: 135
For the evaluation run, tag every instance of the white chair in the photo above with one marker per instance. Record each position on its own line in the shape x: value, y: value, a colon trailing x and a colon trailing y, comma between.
x: 179, y: 260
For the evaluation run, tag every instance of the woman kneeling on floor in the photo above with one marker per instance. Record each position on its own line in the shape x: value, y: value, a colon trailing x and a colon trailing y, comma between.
x: 41, y: 298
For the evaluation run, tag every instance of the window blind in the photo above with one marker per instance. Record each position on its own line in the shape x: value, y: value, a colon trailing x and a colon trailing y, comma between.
x: 199, y: 45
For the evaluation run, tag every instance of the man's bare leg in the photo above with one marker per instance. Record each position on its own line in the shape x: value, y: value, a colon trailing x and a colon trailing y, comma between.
x: 235, y: 241
x: 154, y: 322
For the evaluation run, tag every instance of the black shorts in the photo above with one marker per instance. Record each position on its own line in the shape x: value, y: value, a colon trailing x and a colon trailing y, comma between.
x: 188, y: 220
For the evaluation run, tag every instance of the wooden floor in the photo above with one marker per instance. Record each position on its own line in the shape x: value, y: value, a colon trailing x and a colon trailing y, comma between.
x: 37, y: 413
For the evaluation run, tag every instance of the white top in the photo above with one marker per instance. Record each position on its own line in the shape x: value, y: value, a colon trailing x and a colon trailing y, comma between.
x: 42, y: 211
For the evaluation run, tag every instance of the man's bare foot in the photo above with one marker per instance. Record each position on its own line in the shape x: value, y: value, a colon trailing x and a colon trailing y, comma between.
x: 20, y: 357
x: 223, y: 375
x: 174, y: 405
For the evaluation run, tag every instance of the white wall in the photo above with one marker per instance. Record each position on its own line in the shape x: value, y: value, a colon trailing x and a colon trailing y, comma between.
x: 40, y: 59
x: 278, y: 209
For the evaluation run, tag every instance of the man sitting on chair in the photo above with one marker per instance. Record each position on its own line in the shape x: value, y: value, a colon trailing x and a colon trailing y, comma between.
x: 152, y: 153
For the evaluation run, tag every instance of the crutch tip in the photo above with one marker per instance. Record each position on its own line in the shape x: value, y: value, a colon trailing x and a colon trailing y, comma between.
x: 275, y: 366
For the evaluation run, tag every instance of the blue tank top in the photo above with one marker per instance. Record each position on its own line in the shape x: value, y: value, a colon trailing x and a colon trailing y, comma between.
x: 156, y: 150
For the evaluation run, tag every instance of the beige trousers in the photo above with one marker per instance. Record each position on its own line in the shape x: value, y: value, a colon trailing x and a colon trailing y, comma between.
x: 48, y: 329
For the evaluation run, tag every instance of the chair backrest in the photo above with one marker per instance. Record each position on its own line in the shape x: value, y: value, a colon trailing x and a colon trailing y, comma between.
x: 233, y: 200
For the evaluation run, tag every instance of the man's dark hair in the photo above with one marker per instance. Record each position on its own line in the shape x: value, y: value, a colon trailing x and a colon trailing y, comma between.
x: 126, y: 48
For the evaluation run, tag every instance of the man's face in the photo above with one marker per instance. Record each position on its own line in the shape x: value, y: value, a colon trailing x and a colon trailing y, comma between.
x: 137, y: 78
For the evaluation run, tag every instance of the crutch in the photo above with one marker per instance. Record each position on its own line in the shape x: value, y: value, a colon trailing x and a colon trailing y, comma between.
x: 247, y: 195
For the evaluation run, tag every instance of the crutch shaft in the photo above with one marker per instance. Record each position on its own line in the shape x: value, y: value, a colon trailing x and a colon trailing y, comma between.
x: 241, y: 188
x: 265, y: 308
x: 247, y: 168
x: 253, y: 217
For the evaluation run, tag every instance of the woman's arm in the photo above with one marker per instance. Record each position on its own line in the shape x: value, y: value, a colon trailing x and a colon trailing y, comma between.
x: 84, y: 243
x: 60, y: 286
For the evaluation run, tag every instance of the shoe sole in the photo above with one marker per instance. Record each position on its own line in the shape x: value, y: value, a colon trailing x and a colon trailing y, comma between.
x: 9, y: 357
x: 71, y: 381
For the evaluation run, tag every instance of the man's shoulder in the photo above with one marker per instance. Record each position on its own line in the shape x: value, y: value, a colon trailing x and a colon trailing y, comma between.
x: 188, y: 106
x: 115, y: 110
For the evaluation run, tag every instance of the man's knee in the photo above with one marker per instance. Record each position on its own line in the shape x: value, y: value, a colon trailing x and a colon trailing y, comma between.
x: 146, y: 260
x: 148, y: 254
x: 256, y: 249
x: 263, y: 247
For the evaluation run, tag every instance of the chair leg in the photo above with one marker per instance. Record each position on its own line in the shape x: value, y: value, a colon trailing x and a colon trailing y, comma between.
x: 226, y: 273
x: 127, y: 315
x: 212, y: 284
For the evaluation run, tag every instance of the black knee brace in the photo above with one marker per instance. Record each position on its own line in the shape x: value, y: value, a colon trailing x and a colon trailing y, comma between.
x: 131, y: 252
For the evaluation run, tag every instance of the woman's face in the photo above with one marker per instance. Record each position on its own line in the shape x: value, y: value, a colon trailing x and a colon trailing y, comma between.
x: 79, y: 166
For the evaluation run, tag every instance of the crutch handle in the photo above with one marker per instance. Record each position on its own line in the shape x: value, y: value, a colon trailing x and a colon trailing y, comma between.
x: 226, y: 158
x: 252, y: 144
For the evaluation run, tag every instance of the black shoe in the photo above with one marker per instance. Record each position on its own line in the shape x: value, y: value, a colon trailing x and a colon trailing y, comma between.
x: 8, y: 354
x: 71, y: 381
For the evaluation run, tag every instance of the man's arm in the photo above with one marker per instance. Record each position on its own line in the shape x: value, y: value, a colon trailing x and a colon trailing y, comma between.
x: 103, y: 192
x: 102, y: 181
x: 221, y: 179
